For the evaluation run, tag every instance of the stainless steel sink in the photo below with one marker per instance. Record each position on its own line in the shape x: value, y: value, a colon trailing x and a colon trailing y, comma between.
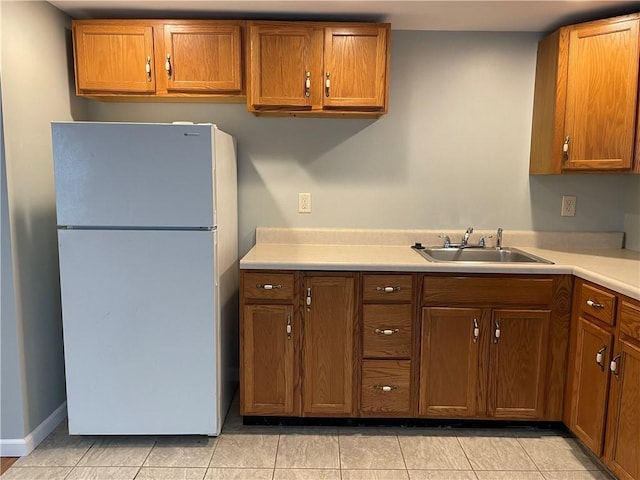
x: 483, y: 255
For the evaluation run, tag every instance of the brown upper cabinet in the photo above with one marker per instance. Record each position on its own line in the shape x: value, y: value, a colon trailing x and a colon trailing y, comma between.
x: 318, y: 69
x: 585, y: 107
x: 150, y: 58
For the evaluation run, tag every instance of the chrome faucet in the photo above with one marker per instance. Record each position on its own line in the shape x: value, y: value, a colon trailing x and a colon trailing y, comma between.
x: 499, y: 239
x: 465, y: 239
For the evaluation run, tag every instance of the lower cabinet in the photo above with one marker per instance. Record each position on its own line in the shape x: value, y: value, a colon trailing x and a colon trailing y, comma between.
x: 622, y: 455
x: 603, y: 392
x: 407, y: 345
x: 494, y: 346
x: 591, y: 370
x: 297, y: 360
x: 483, y: 363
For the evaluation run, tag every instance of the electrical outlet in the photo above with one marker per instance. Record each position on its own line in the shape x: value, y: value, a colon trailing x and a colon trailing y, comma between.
x: 568, y: 206
x: 304, y: 203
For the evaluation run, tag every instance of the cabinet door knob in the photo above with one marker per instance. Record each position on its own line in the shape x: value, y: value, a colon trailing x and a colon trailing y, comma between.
x: 327, y: 85
x: 147, y: 68
x: 496, y: 332
x: 476, y: 330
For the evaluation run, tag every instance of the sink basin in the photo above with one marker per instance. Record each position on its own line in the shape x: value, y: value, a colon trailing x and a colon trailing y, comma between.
x: 486, y: 255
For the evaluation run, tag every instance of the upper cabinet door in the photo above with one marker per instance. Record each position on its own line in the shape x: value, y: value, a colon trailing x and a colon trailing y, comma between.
x: 203, y: 58
x: 285, y: 65
x: 602, y: 92
x: 114, y: 58
x: 355, y: 60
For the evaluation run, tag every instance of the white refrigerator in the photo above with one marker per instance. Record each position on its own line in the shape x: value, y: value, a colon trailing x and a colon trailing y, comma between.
x: 147, y: 236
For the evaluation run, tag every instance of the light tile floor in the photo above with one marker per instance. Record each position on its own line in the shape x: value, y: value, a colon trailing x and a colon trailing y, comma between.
x: 313, y: 453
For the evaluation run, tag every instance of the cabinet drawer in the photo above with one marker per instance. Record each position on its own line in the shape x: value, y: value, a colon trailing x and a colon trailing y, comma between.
x: 385, y: 387
x: 394, y: 288
x: 630, y: 319
x: 597, y: 303
x: 274, y: 286
x: 387, y: 330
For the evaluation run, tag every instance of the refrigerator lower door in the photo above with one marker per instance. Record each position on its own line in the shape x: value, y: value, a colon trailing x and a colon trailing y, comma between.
x: 140, y: 334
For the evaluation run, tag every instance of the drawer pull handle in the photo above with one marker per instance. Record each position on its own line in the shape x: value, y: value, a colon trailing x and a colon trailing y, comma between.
x: 386, y: 331
x: 268, y: 286
x: 385, y: 388
x: 388, y: 289
x: 593, y: 304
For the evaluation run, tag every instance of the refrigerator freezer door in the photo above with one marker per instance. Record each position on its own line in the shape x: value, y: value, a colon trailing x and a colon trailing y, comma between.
x: 142, y: 175
x: 140, y: 332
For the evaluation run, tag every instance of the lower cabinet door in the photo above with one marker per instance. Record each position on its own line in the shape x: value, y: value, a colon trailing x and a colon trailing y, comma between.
x: 386, y: 388
x: 591, y: 384
x: 517, y: 363
x: 328, y: 345
x: 623, y: 429
x: 449, y: 370
x: 267, y: 360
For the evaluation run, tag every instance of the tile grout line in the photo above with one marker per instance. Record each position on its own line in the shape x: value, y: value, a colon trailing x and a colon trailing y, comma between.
x: 467, y: 457
x: 275, y: 460
x: 530, y: 457
x: 404, y: 460
x: 155, y: 442
x: 81, y: 457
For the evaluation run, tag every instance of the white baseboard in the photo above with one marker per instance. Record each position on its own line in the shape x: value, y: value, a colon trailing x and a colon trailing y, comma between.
x: 21, y: 447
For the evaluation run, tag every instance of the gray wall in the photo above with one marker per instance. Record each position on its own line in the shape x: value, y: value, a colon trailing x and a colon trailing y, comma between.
x: 453, y: 150
x: 35, y: 91
x: 11, y: 360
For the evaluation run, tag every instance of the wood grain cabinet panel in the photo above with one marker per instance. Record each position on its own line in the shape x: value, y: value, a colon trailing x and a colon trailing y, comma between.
x: 281, y: 55
x: 110, y: 57
x: 598, y: 303
x: 622, y: 454
x: 268, y: 360
x: 387, y: 330
x: 602, y: 91
x: 203, y: 57
x: 517, y: 365
x: 586, y: 98
x: 328, y: 346
x: 451, y: 378
x: 591, y: 383
x: 355, y: 62
x: 386, y: 388
x: 384, y: 288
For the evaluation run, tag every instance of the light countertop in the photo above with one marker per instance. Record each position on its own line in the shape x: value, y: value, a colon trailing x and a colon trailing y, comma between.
x: 614, y: 268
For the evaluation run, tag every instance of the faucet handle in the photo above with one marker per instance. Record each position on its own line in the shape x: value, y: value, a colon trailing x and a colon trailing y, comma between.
x: 482, y: 242
x: 447, y: 240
